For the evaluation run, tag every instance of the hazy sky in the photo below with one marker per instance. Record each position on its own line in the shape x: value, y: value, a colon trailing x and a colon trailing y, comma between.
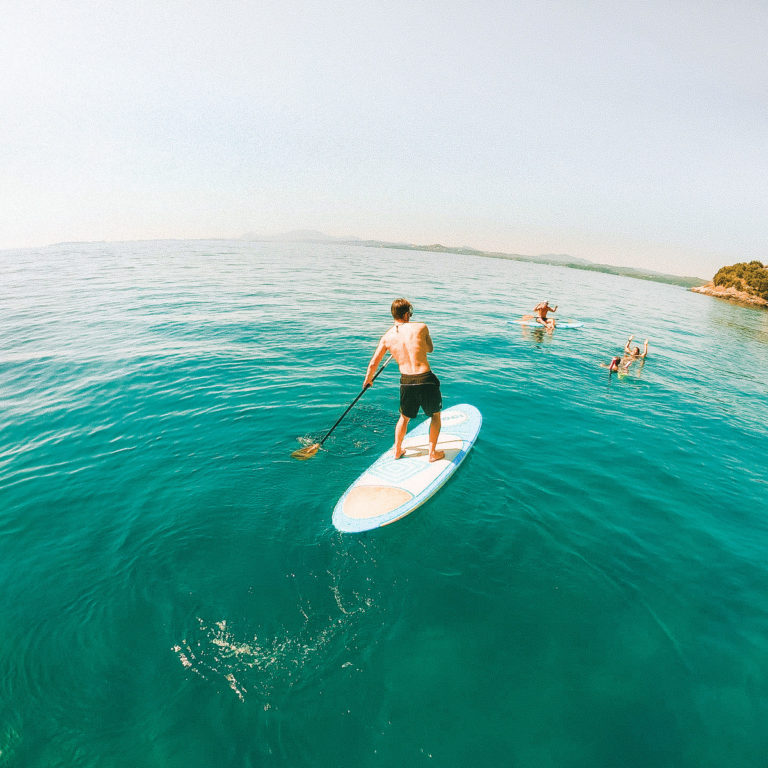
x: 626, y: 132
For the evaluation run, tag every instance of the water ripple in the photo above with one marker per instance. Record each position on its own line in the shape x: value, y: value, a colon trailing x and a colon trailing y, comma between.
x: 174, y: 591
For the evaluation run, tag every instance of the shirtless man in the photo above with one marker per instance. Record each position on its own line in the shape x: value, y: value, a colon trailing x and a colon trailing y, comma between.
x: 409, y: 343
x: 540, y: 313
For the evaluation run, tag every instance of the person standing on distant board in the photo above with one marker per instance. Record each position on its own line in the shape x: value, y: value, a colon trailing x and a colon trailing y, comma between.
x: 409, y: 343
x: 540, y: 312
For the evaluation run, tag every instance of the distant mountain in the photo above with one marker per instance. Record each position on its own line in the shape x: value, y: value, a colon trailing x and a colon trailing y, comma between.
x: 559, y: 260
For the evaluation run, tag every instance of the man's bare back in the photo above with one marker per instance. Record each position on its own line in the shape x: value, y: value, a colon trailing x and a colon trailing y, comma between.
x: 409, y: 344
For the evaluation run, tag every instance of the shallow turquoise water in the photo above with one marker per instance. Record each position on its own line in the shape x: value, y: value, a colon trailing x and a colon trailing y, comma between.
x: 590, y: 589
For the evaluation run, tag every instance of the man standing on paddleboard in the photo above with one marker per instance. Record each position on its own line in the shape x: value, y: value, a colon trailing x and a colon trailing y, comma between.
x: 409, y: 343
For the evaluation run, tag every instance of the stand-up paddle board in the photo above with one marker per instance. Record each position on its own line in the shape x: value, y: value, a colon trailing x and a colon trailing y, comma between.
x: 560, y: 323
x: 391, y: 488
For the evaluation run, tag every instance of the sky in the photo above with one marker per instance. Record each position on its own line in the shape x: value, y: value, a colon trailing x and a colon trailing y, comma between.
x: 630, y: 133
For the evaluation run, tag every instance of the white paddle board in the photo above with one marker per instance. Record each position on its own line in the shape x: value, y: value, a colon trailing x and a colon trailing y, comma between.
x: 560, y: 323
x: 391, y: 489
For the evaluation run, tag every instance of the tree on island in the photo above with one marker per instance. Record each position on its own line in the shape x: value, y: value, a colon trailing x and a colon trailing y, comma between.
x: 750, y: 277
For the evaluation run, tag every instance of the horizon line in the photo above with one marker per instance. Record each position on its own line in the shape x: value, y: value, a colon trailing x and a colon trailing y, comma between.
x: 565, y: 260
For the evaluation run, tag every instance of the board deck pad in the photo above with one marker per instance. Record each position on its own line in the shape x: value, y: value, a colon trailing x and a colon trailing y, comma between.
x: 559, y: 323
x: 392, y: 488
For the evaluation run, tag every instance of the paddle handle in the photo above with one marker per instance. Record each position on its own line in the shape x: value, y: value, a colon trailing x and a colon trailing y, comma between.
x: 349, y: 407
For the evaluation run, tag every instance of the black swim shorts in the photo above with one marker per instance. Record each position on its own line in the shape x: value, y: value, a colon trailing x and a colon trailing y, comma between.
x: 420, y: 390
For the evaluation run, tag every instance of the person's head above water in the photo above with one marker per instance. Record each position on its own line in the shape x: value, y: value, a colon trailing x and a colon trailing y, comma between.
x: 401, y: 308
x: 636, y: 351
x: 614, y: 364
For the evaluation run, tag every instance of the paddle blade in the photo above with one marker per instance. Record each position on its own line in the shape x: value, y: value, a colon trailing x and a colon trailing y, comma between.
x: 307, y: 452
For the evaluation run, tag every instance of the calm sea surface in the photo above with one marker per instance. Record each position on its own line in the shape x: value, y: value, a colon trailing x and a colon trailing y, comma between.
x: 590, y: 589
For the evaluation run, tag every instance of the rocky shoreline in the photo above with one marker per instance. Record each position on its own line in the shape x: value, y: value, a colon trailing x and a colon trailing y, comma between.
x: 730, y: 294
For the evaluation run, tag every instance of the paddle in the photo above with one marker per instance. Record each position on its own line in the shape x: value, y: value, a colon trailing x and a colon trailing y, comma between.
x: 307, y: 453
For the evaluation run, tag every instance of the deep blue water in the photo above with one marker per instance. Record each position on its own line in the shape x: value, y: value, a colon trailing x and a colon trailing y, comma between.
x: 590, y: 589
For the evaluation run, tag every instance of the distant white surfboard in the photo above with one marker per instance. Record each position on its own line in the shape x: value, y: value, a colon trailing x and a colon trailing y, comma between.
x: 560, y: 323
x: 390, y: 489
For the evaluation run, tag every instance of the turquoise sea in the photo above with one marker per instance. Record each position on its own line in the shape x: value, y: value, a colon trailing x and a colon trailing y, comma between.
x: 589, y: 590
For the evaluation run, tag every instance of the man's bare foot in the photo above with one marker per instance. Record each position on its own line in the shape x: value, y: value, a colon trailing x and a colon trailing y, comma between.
x: 400, y: 454
x: 436, y: 456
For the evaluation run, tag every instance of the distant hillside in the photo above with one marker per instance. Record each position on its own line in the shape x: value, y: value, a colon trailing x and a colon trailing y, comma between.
x: 745, y: 282
x: 554, y: 260
x: 559, y: 260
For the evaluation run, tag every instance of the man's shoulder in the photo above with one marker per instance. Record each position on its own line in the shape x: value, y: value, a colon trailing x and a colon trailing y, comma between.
x: 411, y: 327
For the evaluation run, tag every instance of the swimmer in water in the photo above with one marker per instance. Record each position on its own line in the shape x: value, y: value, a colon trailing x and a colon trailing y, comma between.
x: 617, y: 365
x: 634, y: 352
x: 620, y: 364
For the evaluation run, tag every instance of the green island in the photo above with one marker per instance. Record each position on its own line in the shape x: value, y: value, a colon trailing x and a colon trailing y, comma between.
x: 750, y: 277
x: 745, y: 282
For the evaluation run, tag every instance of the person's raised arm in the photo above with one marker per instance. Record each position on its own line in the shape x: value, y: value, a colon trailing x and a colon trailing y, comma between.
x: 374, y: 364
x: 629, y: 341
x: 645, y: 348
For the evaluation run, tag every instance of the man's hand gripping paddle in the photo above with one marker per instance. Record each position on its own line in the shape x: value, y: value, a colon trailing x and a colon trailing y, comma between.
x: 311, y: 450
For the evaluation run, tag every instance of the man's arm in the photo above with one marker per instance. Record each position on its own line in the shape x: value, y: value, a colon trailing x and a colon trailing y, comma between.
x: 374, y: 364
x: 428, y: 345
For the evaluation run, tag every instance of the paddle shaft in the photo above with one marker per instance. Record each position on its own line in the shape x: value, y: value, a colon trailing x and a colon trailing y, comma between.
x: 349, y: 408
